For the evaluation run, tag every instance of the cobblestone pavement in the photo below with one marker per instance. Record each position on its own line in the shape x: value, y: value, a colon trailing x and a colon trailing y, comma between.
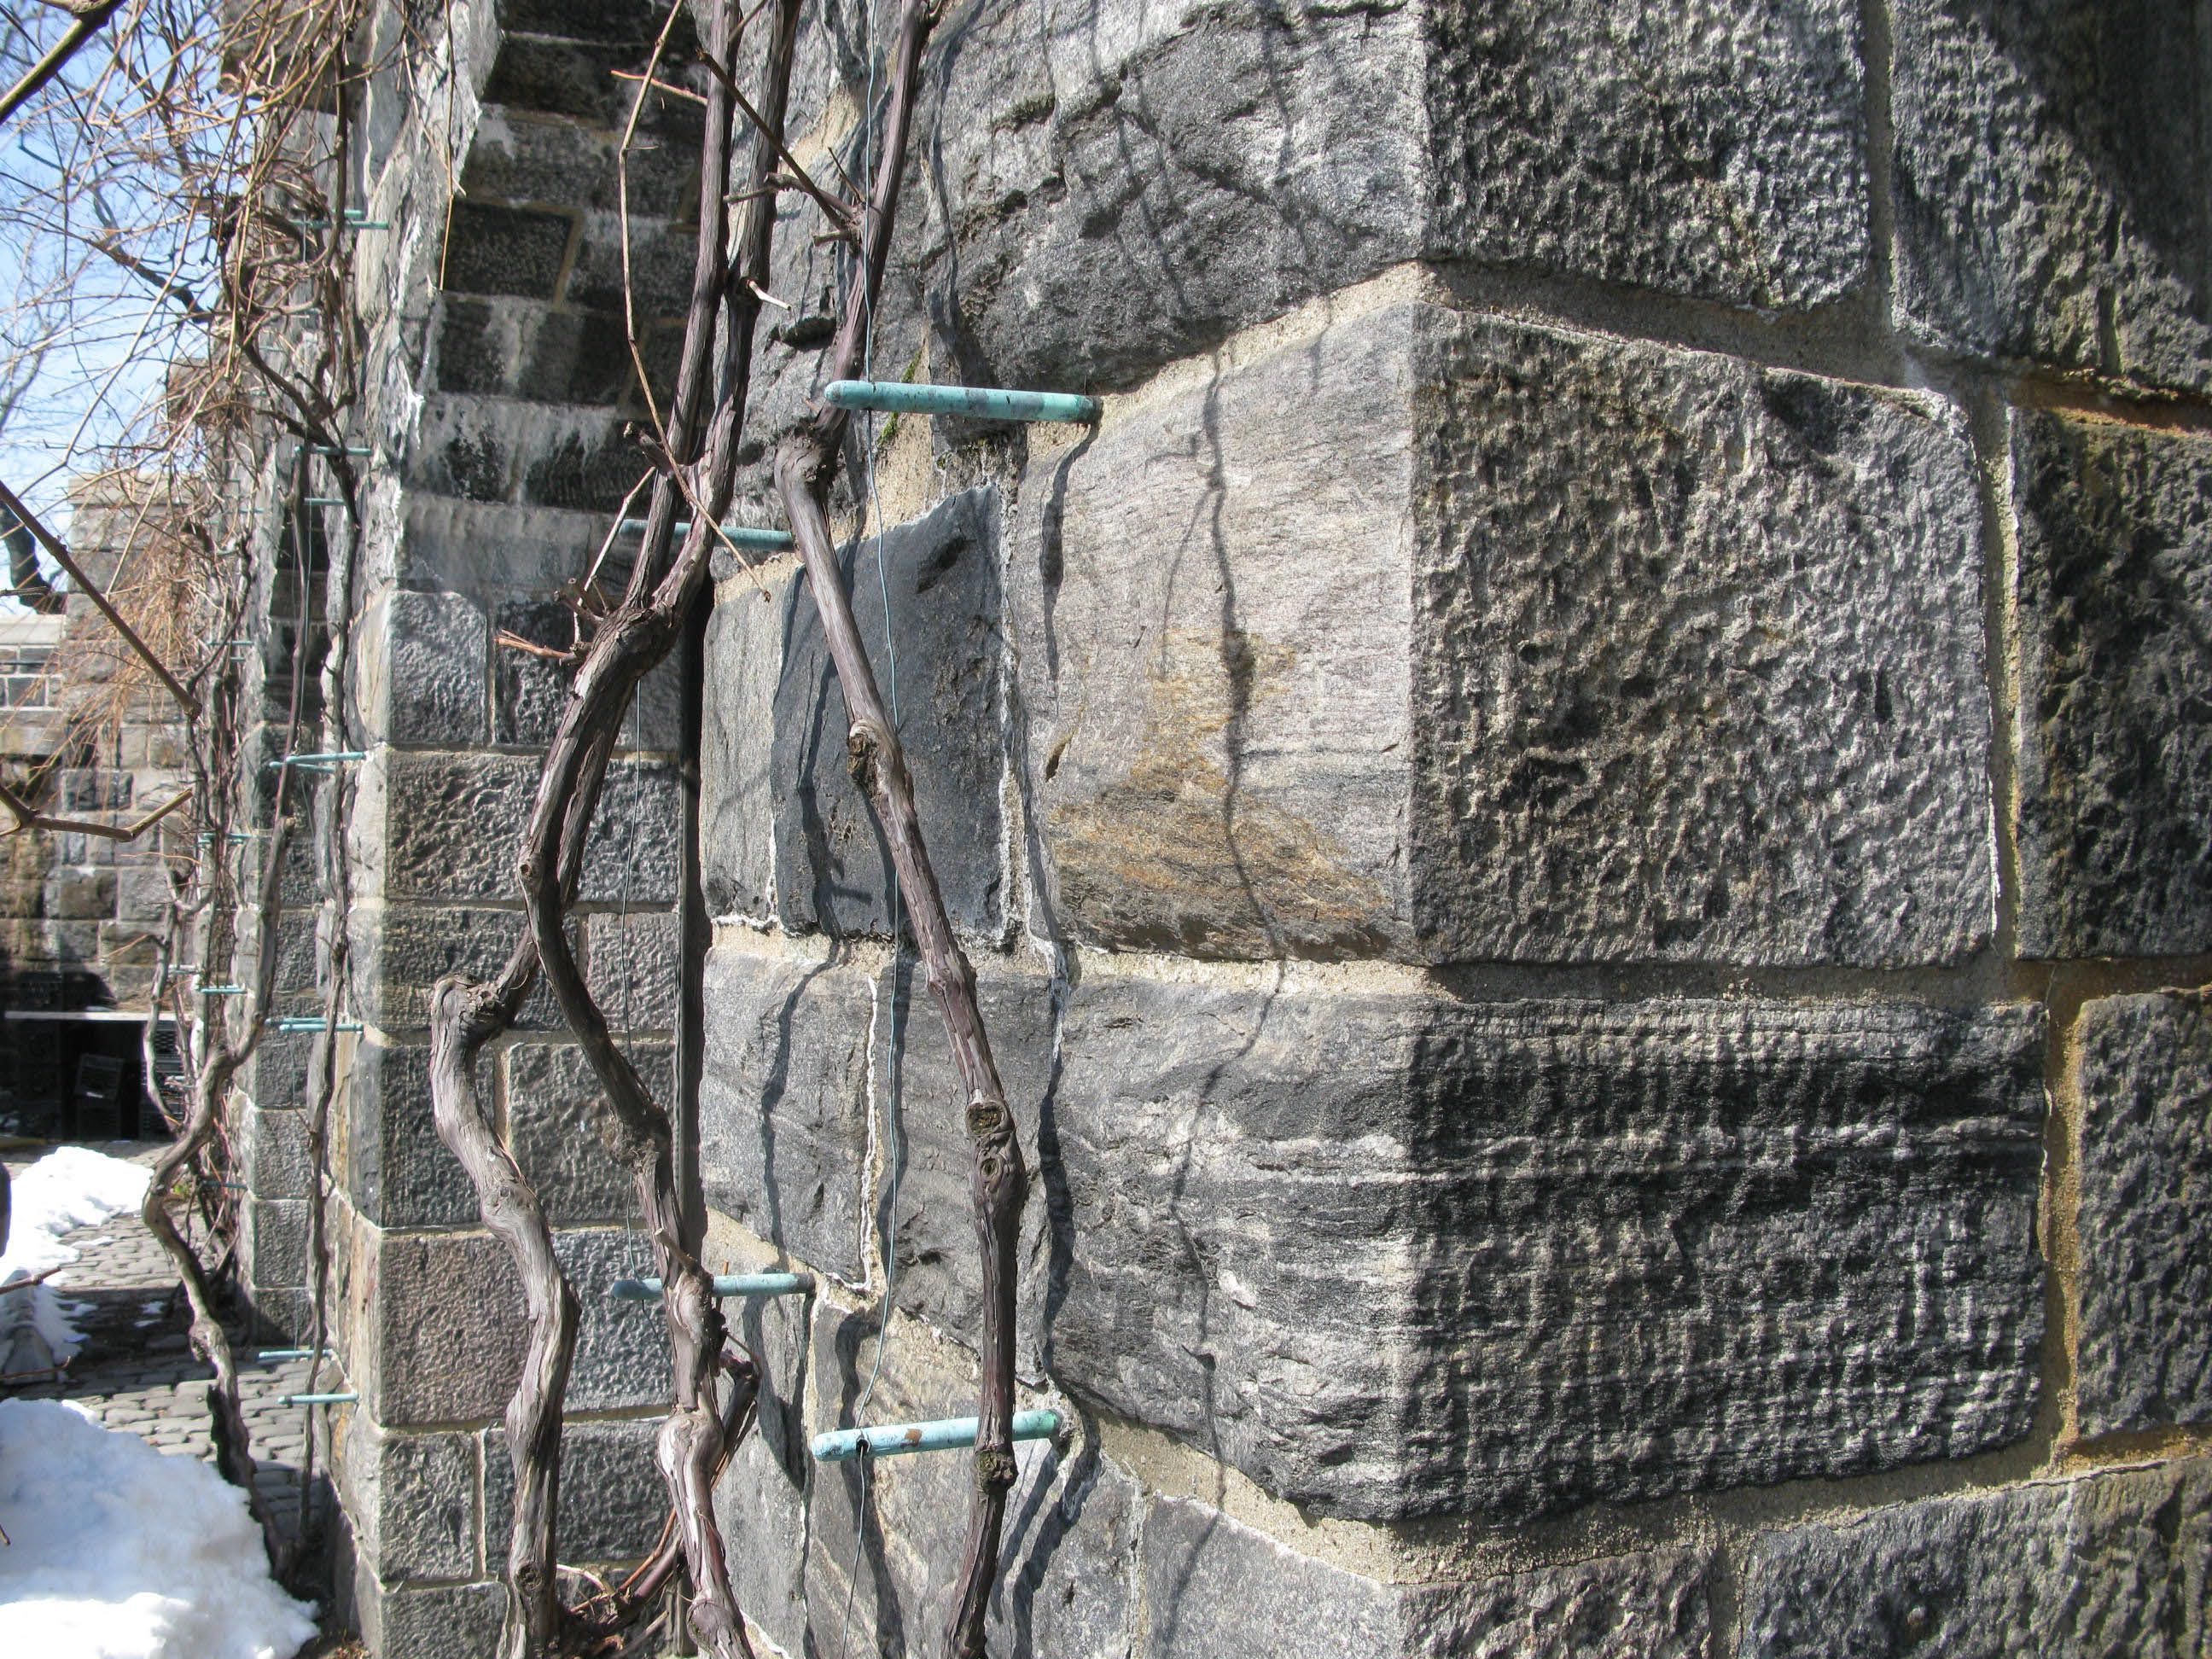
x: 136, y: 1370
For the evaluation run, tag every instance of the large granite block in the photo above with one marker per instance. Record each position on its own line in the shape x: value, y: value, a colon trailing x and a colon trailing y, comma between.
x: 444, y: 1622
x: 2064, y: 1570
x: 442, y: 1337
x: 1215, y: 1586
x: 390, y: 1159
x: 783, y: 1106
x: 613, y: 1497
x: 1546, y: 124
x: 422, y: 675
x: 411, y: 1498
x: 400, y: 952
x: 2049, y: 158
x: 1113, y: 186
x: 557, y: 1119
x: 1444, y: 637
x: 737, y: 750
x: 832, y: 870
x: 2115, y: 596
x: 2144, y: 1355
x: 1610, y: 1252
x: 455, y: 823
x: 631, y: 968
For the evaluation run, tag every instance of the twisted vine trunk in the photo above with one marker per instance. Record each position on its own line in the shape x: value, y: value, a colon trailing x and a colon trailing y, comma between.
x: 806, y: 467
x: 466, y: 1016
x: 693, y: 1441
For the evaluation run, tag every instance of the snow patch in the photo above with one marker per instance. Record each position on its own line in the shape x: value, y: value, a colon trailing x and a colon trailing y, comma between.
x: 116, y: 1551
x: 71, y: 1187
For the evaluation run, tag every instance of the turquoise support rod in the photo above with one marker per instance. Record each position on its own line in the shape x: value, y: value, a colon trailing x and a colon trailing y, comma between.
x: 267, y: 1355
x: 222, y: 990
x: 317, y: 1399
x: 982, y: 402
x: 952, y: 1434
x: 742, y: 535
x: 726, y: 1284
x: 314, y: 1023
x: 327, y: 757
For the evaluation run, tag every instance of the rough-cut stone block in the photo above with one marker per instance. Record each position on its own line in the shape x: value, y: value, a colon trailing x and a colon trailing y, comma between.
x: 2114, y: 603
x: 455, y: 823
x: 736, y: 750
x: 1615, y: 1252
x: 1126, y: 184
x: 2144, y: 1354
x: 1547, y: 121
x: 411, y: 1498
x: 443, y: 1346
x: 392, y: 1164
x: 491, y: 249
x: 1450, y: 638
x: 832, y: 870
x: 633, y: 961
x: 527, y: 161
x: 422, y: 675
x: 447, y: 1621
x: 273, y: 1153
x: 613, y: 1498
x: 557, y: 1124
x: 401, y: 952
x: 2070, y: 1570
x: 2049, y: 158
x: 273, y: 1245
x: 530, y: 693
x: 1216, y: 1586
x: 526, y: 349
x: 783, y: 1107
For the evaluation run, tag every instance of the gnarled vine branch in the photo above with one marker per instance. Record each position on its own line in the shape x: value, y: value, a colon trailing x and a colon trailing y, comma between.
x: 805, y: 466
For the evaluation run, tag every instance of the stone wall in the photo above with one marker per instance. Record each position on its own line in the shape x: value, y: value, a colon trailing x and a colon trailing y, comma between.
x: 1579, y: 816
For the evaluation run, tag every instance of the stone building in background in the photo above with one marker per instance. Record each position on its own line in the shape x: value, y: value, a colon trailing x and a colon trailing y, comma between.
x: 1582, y: 817
x: 81, y: 915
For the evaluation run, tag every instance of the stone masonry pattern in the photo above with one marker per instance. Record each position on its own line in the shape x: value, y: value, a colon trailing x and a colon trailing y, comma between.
x: 1581, y: 818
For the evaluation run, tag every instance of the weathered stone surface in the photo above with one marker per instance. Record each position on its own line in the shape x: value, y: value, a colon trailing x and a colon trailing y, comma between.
x: 737, y: 750
x: 613, y: 1497
x: 1546, y: 122
x: 2143, y: 1358
x: 492, y: 249
x: 1614, y: 1252
x: 421, y: 670
x: 832, y: 870
x: 1125, y: 185
x: 442, y: 1349
x: 1215, y: 1586
x: 392, y: 1164
x: 273, y: 1152
x: 556, y: 1125
x: 632, y: 962
x: 1449, y: 638
x: 273, y: 1245
x: 783, y: 1106
x: 447, y: 1621
x: 2049, y: 158
x: 454, y: 824
x: 411, y: 1498
x: 527, y: 348
x: 2115, y: 598
x: 2071, y: 1570
x: 401, y: 952
x: 530, y: 693
x: 528, y: 160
